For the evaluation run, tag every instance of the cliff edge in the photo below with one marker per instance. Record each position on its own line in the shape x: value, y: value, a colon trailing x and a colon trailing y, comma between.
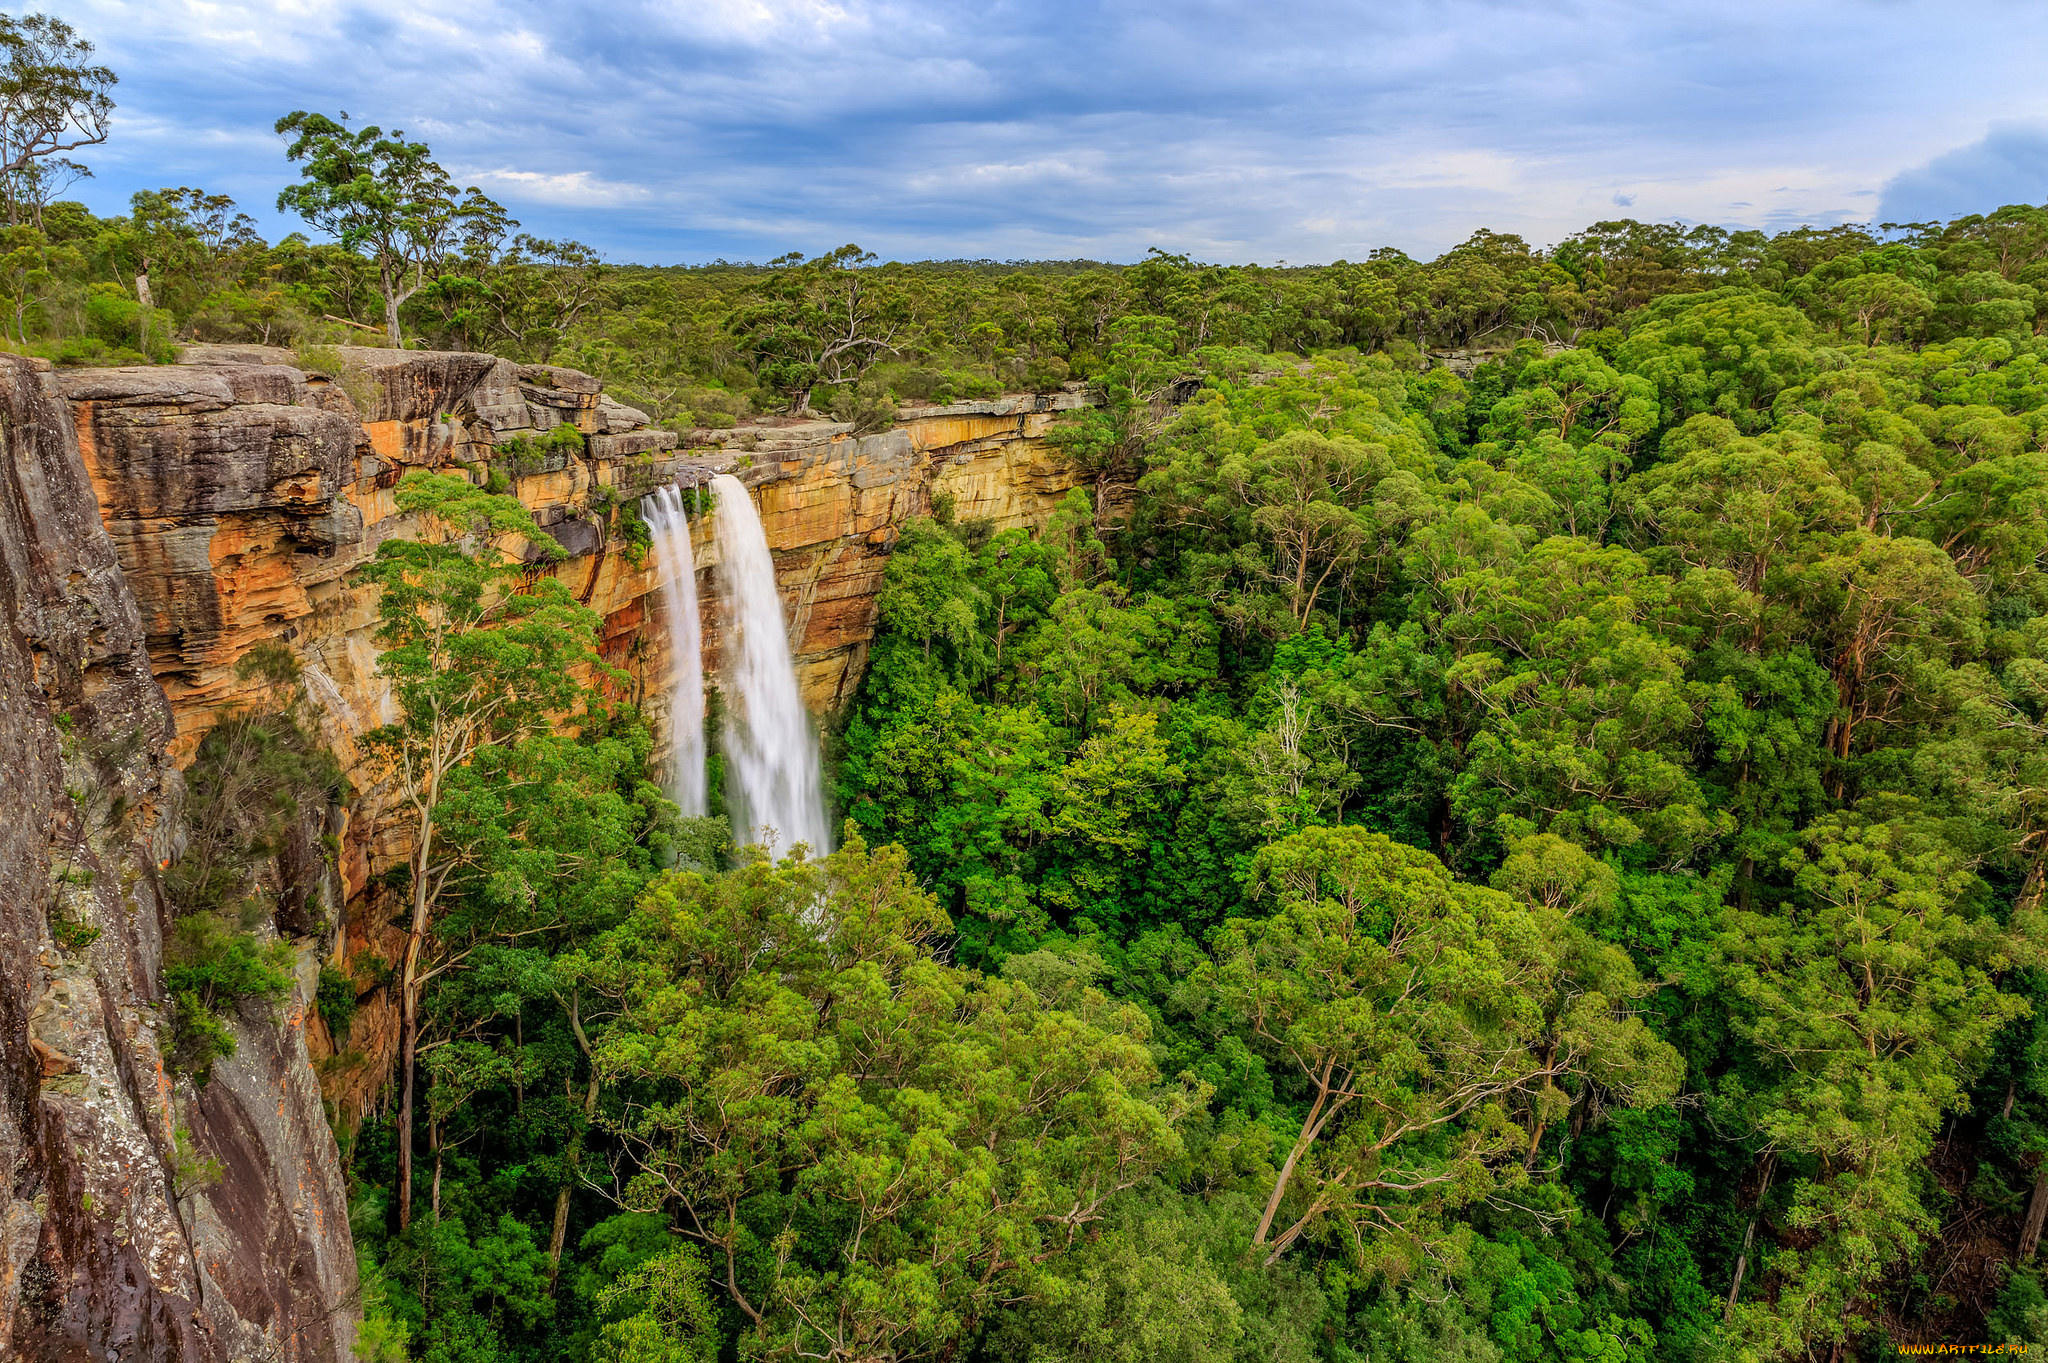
x: 142, y: 1219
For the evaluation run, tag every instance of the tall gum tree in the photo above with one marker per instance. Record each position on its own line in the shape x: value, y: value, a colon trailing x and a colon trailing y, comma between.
x: 1430, y: 1022
x: 53, y: 99
x: 475, y: 660
x: 386, y: 198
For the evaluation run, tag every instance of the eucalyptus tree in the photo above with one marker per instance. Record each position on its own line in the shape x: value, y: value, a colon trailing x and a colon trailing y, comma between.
x: 53, y: 99
x: 385, y: 198
x: 474, y: 662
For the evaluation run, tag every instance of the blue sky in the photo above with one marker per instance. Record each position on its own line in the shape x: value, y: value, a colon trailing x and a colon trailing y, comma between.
x: 687, y: 131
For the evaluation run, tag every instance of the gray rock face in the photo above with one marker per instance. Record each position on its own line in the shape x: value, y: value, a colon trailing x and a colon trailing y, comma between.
x: 116, y: 1240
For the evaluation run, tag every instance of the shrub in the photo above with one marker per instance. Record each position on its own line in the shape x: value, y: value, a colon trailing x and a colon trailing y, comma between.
x: 248, y: 853
x: 529, y: 454
x: 122, y: 325
x: 190, y: 1170
x: 212, y: 964
x: 709, y: 404
x: 333, y: 363
x: 336, y: 1000
x: 867, y: 408
x: 631, y: 534
x: 1046, y: 373
x: 73, y: 936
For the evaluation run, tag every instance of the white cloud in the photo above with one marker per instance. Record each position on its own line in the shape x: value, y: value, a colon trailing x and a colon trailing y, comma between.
x: 743, y: 128
x: 576, y: 188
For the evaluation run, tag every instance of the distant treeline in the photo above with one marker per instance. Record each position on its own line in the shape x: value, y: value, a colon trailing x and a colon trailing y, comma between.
x: 710, y: 344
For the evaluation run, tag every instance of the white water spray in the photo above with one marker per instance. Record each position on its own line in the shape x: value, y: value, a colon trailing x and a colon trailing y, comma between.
x: 672, y: 559
x: 772, y: 755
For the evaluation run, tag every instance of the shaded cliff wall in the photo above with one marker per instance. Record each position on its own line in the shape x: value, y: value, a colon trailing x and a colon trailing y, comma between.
x: 113, y: 1242
x: 241, y: 493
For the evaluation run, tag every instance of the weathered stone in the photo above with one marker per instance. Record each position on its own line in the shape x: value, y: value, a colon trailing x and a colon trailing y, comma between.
x: 616, y: 418
x: 623, y: 444
x: 103, y: 1254
x: 50, y: 1061
x: 564, y: 380
x: 242, y: 496
x: 235, y: 353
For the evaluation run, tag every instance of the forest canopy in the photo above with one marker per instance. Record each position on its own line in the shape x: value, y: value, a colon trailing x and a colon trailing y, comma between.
x: 1502, y: 820
x: 1512, y: 835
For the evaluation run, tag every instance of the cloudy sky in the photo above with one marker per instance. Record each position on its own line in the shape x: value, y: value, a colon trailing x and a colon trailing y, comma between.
x: 1264, y: 130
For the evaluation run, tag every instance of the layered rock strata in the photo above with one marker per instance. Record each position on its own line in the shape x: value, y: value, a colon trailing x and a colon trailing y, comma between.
x: 241, y: 493
x: 158, y: 524
x: 140, y: 1218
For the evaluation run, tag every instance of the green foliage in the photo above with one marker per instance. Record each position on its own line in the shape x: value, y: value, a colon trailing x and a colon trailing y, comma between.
x: 1437, y: 1024
x: 213, y: 965
x: 876, y: 1147
x: 71, y: 935
x: 658, y: 1312
x: 190, y: 1170
x: 335, y: 997
x: 1713, y: 647
x: 1574, y: 820
x: 522, y: 455
x: 1536, y: 860
x: 257, y: 795
x: 383, y: 197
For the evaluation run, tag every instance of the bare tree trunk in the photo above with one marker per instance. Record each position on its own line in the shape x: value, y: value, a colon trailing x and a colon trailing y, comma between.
x: 2037, y: 1213
x: 560, y: 1231
x: 409, y: 1017
x: 1748, y: 1238
x: 142, y: 294
x: 1741, y: 1267
x: 1311, y: 1126
x: 408, y: 1024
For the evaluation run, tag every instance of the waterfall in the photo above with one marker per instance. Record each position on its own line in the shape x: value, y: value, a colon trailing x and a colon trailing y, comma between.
x: 320, y: 686
x: 672, y: 559
x: 771, y: 754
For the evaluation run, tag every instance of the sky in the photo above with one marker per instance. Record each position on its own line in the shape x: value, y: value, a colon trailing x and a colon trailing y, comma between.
x: 1269, y: 130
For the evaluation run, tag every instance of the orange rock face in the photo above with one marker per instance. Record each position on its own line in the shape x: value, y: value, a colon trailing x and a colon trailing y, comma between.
x: 241, y: 495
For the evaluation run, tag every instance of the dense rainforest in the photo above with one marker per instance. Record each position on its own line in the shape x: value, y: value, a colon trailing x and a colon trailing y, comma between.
x: 1504, y: 823
x: 1535, y: 858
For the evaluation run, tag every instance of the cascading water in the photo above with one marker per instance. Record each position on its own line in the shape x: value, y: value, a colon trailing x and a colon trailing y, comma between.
x: 663, y: 511
x: 771, y: 753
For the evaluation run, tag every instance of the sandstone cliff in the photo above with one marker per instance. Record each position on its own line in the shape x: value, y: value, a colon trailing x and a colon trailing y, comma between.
x: 241, y: 492
x: 140, y: 1219
x: 156, y: 525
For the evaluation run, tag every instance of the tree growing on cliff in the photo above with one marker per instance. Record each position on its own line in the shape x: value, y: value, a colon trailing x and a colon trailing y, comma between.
x: 388, y: 199
x: 477, y: 660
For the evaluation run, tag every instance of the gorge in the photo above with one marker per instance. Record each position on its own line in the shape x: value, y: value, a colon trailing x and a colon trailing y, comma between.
x: 158, y: 526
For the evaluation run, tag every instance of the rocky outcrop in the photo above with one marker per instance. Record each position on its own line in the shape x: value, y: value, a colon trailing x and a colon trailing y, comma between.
x: 832, y: 503
x: 241, y: 493
x: 140, y: 1218
x: 156, y: 525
